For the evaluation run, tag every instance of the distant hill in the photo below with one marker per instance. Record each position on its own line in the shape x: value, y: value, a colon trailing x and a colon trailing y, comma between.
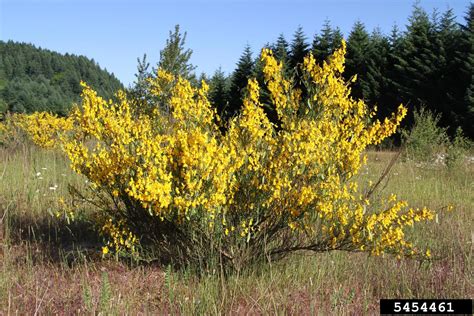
x: 36, y: 79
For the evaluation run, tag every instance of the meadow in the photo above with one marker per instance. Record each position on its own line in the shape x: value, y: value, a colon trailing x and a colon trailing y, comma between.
x: 53, y: 264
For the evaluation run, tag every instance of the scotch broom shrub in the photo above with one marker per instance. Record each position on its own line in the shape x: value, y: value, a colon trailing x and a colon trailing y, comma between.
x: 41, y: 127
x: 172, y: 184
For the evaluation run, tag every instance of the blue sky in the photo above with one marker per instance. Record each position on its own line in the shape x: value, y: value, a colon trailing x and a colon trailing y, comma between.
x: 115, y: 32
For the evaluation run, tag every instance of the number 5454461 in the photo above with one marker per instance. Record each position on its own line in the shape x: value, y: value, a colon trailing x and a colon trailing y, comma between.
x: 423, y: 307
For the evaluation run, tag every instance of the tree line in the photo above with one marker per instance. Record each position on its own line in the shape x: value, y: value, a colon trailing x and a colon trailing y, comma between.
x: 428, y: 65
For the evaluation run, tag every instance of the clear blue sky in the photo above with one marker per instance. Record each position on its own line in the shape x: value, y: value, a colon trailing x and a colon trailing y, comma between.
x: 115, y: 32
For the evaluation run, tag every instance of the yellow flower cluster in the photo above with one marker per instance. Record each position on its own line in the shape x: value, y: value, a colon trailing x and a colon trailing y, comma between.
x: 121, y: 239
x: 44, y: 128
x: 176, y: 165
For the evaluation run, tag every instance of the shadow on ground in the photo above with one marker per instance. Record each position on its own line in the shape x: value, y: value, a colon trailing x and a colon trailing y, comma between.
x: 52, y: 240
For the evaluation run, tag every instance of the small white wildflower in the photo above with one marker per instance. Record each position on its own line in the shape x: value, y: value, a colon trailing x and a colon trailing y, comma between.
x: 38, y: 174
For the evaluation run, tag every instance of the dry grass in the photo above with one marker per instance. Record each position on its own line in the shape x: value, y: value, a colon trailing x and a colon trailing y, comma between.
x: 51, y: 267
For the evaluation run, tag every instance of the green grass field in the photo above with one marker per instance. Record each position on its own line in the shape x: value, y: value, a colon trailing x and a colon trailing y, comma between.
x: 51, y: 267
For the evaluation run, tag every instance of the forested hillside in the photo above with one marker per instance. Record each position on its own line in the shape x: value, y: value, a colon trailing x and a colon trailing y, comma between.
x: 36, y: 79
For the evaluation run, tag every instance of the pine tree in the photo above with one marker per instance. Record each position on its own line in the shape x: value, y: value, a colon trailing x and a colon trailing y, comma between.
x: 414, y: 63
x: 280, y: 49
x: 219, y: 92
x: 174, y: 58
x: 242, y: 73
x: 299, y: 48
x: 139, y: 91
x: 466, y: 56
x: 357, y: 58
x: 450, y: 37
x: 395, y: 39
x: 390, y: 99
x: 375, y: 84
x: 326, y: 42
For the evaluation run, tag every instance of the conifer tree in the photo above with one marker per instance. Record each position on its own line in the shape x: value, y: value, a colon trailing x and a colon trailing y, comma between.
x: 299, y: 48
x: 174, y: 58
x: 418, y: 64
x: 466, y: 56
x: 139, y: 91
x: 325, y: 43
x: 281, y: 50
x: 375, y: 83
x: 219, y: 92
x: 390, y: 98
x: 242, y: 73
x: 450, y: 37
x: 337, y: 38
x: 357, y: 59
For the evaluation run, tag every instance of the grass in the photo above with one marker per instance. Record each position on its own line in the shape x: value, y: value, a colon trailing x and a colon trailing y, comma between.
x: 50, y: 266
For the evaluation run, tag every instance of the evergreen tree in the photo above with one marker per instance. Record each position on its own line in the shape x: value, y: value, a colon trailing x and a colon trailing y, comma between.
x: 357, y: 59
x: 280, y: 49
x: 299, y: 48
x: 140, y: 88
x: 244, y: 71
x: 219, y: 92
x: 449, y: 39
x: 174, y: 58
x: 420, y: 63
x: 337, y: 38
x: 390, y: 98
x: 325, y: 43
x: 375, y: 83
x: 466, y: 58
